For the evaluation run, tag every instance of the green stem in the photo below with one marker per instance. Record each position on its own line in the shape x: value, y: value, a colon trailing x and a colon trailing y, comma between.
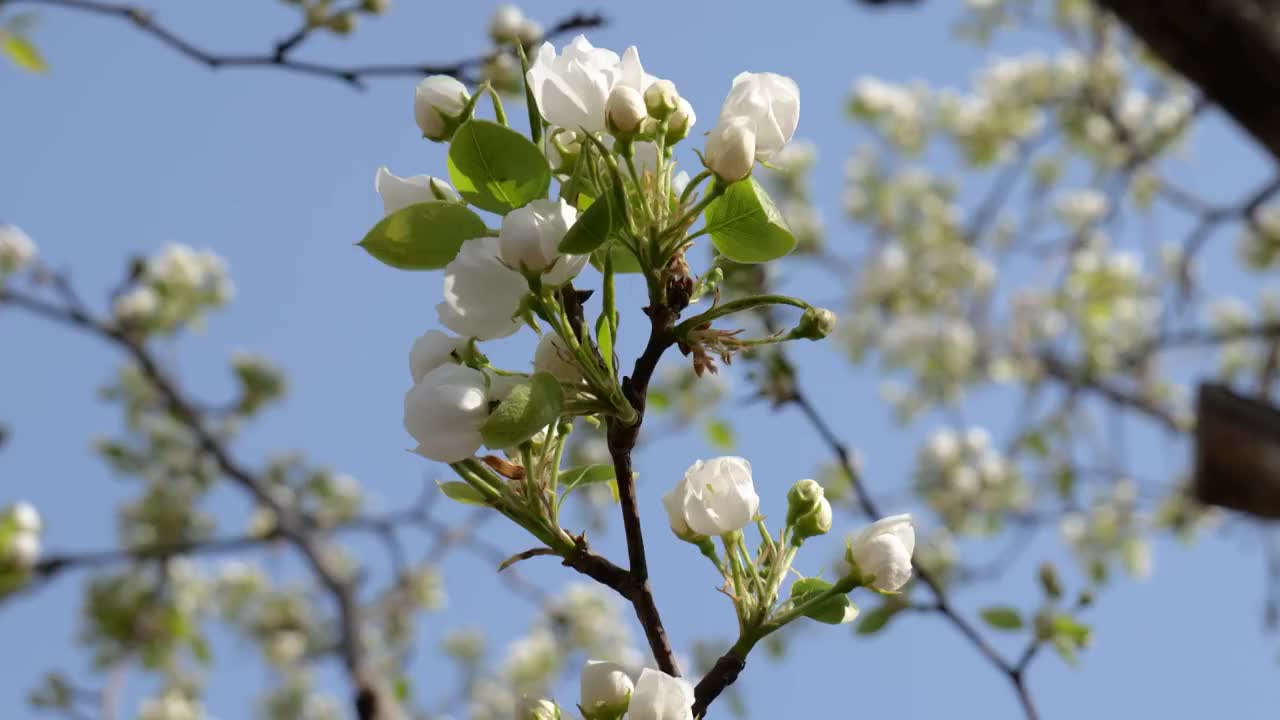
x: 713, y: 192
x: 498, y: 112
x: 734, y: 306
x: 693, y: 185
x: 535, y: 118
x: 735, y: 566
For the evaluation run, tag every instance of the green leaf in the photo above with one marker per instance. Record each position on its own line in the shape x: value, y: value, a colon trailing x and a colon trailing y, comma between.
x: 745, y: 225
x: 623, y: 261
x: 496, y: 168
x: 1072, y: 630
x: 22, y: 53
x: 591, y: 230
x: 720, y: 434
x: 424, y: 236
x: 836, y: 610
x: 530, y: 407
x: 462, y: 492
x: 585, y: 475
x: 1002, y: 617
x: 604, y: 340
x: 876, y: 620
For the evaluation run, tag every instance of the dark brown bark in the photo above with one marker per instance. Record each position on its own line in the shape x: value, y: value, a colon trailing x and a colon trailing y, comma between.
x: 1229, y: 48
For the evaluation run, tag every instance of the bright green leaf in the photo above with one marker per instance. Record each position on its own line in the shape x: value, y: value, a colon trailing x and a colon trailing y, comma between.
x: 496, y: 168
x: 462, y: 492
x: 1002, y: 617
x: 746, y: 227
x: 624, y: 262
x: 875, y: 620
x: 720, y: 434
x: 425, y: 236
x: 530, y: 407
x: 22, y: 52
x: 591, y: 229
x: 835, y: 610
x: 585, y: 475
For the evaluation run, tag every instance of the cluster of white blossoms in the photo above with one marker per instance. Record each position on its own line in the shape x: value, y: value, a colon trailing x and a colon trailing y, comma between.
x: 173, y: 704
x: 179, y: 284
x: 20, y: 527
x: 1110, y: 301
x: 968, y: 482
x: 1113, y: 527
x: 17, y: 250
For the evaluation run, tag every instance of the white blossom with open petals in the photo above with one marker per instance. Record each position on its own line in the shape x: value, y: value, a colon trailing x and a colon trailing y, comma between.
x: 401, y: 192
x: 444, y: 412
x: 658, y: 696
x: 480, y: 293
x: 771, y: 102
x: 573, y: 87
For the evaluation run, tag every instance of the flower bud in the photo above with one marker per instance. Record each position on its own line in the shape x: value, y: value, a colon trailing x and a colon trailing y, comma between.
x: 16, y: 249
x: 882, y: 552
x: 505, y: 24
x: 680, y: 122
x: 606, y: 690
x: 715, y: 497
x: 375, y: 7
x: 625, y: 111
x: 438, y: 102
x: 553, y: 357
x: 731, y: 150
x: 815, y: 324
x: 808, y: 511
x: 400, y: 192
x: 343, y: 23
x: 661, y: 99
x: 25, y: 518
x: 537, y: 710
x: 530, y: 32
x: 529, y: 241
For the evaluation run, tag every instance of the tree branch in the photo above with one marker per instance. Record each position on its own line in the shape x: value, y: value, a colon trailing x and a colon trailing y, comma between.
x: 280, y: 57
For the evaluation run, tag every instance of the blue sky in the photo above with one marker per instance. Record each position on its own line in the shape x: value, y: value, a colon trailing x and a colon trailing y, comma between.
x: 125, y: 147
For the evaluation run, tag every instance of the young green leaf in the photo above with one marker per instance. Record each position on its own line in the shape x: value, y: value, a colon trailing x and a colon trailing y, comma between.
x: 577, y: 477
x: 1002, y: 617
x: 835, y: 610
x: 530, y: 407
x: 746, y: 227
x: 496, y: 168
x: 425, y: 236
x: 462, y: 492
x: 591, y: 229
x: 875, y: 620
x: 22, y: 52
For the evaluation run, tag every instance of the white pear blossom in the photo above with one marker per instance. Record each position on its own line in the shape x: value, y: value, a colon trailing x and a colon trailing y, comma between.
x: 771, y: 102
x: 606, y: 689
x: 551, y: 356
x: 658, y: 696
x: 530, y: 240
x: 444, y: 412
x: 434, y: 98
x: 401, y: 192
x: 882, y: 552
x: 625, y: 110
x: 715, y: 497
x: 573, y: 88
x: 505, y: 23
x: 1082, y: 207
x: 24, y: 550
x: 17, y: 250
x: 431, y: 350
x: 731, y: 149
x: 537, y: 709
x: 25, y: 517
x: 136, y: 305
x: 172, y: 705
x: 480, y: 293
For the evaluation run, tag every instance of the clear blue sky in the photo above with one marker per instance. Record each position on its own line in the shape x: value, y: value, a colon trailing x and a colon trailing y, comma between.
x: 125, y: 147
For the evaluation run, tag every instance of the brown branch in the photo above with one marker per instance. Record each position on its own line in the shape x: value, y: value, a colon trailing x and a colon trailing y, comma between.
x: 292, y: 526
x: 280, y: 57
